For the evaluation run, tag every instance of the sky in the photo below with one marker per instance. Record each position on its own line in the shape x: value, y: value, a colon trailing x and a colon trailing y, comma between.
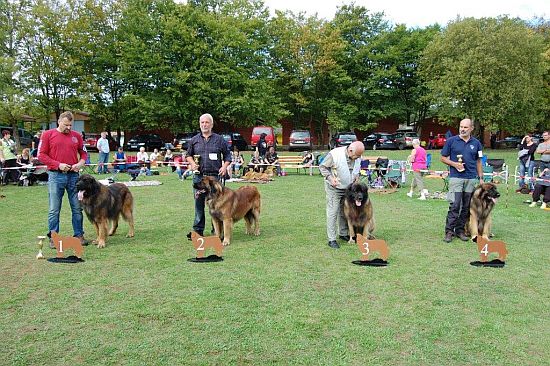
x: 422, y: 13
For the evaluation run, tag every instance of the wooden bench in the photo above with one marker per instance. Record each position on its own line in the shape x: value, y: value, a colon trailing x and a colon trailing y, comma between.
x: 292, y: 162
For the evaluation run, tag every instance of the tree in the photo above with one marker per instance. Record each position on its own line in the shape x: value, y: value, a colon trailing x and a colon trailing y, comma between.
x: 488, y: 69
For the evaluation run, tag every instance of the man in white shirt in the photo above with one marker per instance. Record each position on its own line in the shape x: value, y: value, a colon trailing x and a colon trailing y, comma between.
x: 103, y: 149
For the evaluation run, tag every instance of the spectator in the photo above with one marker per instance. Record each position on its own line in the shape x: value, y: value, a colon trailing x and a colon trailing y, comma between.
x: 272, y: 159
x: 308, y: 161
x: 8, y: 158
x: 120, y: 160
x: 462, y: 153
x: 215, y: 157
x: 493, y: 140
x: 256, y: 162
x: 25, y: 157
x: 168, y: 158
x: 237, y: 162
x: 418, y: 160
x: 103, y: 149
x: 544, y: 150
x: 154, y: 155
x: 431, y: 140
x: 339, y: 168
x: 34, y: 144
x: 542, y: 188
x: 526, y: 157
x: 62, y: 150
x: 261, y: 146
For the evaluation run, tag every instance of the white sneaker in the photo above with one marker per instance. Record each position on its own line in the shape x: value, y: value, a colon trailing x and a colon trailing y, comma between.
x: 422, y: 198
x: 410, y: 194
x: 543, y: 206
x: 534, y: 204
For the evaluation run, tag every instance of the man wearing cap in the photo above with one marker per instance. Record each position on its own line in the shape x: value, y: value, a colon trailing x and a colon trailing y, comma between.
x: 62, y: 151
x: 340, y: 168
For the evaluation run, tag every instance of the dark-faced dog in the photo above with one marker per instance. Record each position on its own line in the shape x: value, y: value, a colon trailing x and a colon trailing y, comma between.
x: 227, y: 207
x: 358, y: 210
x: 103, y: 204
x: 481, y: 204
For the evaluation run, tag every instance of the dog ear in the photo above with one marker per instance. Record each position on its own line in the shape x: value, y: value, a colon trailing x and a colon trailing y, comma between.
x: 216, y: 185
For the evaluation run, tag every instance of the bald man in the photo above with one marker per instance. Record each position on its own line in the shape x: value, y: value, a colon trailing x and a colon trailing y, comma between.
x: 462, y: 153
x: 340, y: 168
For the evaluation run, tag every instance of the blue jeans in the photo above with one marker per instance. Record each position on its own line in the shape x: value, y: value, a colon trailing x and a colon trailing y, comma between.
x: 199, y: 222
x: 102, y: 163
x: 530, y: 170
x: 57, y: 184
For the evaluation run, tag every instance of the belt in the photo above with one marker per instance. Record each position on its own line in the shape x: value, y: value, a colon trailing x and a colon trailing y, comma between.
x: 61, y: 171
x: 210, y: 174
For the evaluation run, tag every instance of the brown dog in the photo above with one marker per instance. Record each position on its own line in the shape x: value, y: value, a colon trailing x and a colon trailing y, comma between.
x: 105, y: 204
x: 358, y: 211
x: 227, y: 207
x: 486, y: 246
x: 201, y: 243
x: 62, y: 243
x: 373, y: 245
x: 482, y: 203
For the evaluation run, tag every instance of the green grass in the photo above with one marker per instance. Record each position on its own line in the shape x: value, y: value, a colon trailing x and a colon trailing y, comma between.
x: 282, y: 298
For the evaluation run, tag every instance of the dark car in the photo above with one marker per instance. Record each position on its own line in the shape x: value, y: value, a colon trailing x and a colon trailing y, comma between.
x: 510, y: 142
x: 341, y: 139
x: 90, y: 141
x: 148, y: 141
x: 300, y: 140
x: 235, y: 139
x: 182, y: 139
x: 379, y: 141
x: 404, y: 139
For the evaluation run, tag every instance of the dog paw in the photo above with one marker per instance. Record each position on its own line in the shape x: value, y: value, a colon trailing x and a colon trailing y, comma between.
x: 351, y: 241
x: 100, y: 245
x: 130, y: 235
x: 225, y: 243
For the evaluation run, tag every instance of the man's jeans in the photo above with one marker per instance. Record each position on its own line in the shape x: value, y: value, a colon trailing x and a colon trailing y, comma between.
x: 199, y: 222
x: 102, y: 163
x: 57, y: 184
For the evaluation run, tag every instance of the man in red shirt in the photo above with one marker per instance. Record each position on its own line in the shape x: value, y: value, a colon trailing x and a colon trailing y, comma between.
x: 62, y: 150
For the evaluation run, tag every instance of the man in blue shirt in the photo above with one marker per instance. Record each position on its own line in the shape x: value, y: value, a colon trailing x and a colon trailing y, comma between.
x: 215, y: 157
x: 462, y: 153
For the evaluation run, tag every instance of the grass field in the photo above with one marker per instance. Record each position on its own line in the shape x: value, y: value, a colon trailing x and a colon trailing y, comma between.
x: 282, y: 298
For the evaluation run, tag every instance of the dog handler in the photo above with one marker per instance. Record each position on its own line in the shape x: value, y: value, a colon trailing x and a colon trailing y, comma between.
x: 339, y: 168
x: 62, y: 150
x: 215, y: 157
x: 462, y: 153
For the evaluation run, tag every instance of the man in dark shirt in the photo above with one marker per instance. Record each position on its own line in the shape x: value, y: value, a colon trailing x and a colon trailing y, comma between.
x: 462, y: 153
x: 214, y: 159
x: 262, y: 145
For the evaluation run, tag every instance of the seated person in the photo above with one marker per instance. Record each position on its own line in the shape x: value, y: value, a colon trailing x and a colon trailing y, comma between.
x: 168, y: 158
x: 256, y: 163
x: 143, y: 158
x: 237, y: 162
x: 25, y: 157
x: 308, y: 161
x: 272, y: 159
x: 154, y: 157
x: 542, y: 188
x: 119, y: 160
x: 180, y: 167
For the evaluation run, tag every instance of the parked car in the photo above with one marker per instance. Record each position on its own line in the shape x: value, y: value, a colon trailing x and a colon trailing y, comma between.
x: 90, y: 141
x: 341, y: 139
x: 235, y: 139
x: 404, y: 139
x: 25, y: 137
x: 182, y: 139
x: 300, y: 140
x: 439, y: 141
x: 379, y: 141
x: 510, y: 142
x: 148, y: 141
x: 270, y: 136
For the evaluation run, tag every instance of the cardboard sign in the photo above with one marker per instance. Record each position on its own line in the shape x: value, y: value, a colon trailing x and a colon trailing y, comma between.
x: 201, y: 243
x: 486, y: 246
x: 64, y: 243
x: 367, y: 247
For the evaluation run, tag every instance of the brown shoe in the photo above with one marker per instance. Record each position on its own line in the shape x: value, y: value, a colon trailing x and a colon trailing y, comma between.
x: 83, y: 241
x: 448, y: 237
x: 463, y: 237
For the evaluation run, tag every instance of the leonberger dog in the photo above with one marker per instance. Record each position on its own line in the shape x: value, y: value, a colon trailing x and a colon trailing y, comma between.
x: 227, y: 207
x: 358, y: 211
x: 104, y: 204
x: 481, y: 205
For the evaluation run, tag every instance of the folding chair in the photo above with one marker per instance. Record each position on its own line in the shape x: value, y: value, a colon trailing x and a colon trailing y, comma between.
x: 500, y: 170
x: 88, y: 168
x: 393, y: 175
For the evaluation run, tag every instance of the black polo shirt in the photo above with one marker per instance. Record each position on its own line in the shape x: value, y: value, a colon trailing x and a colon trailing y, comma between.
x: 213, y: 152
